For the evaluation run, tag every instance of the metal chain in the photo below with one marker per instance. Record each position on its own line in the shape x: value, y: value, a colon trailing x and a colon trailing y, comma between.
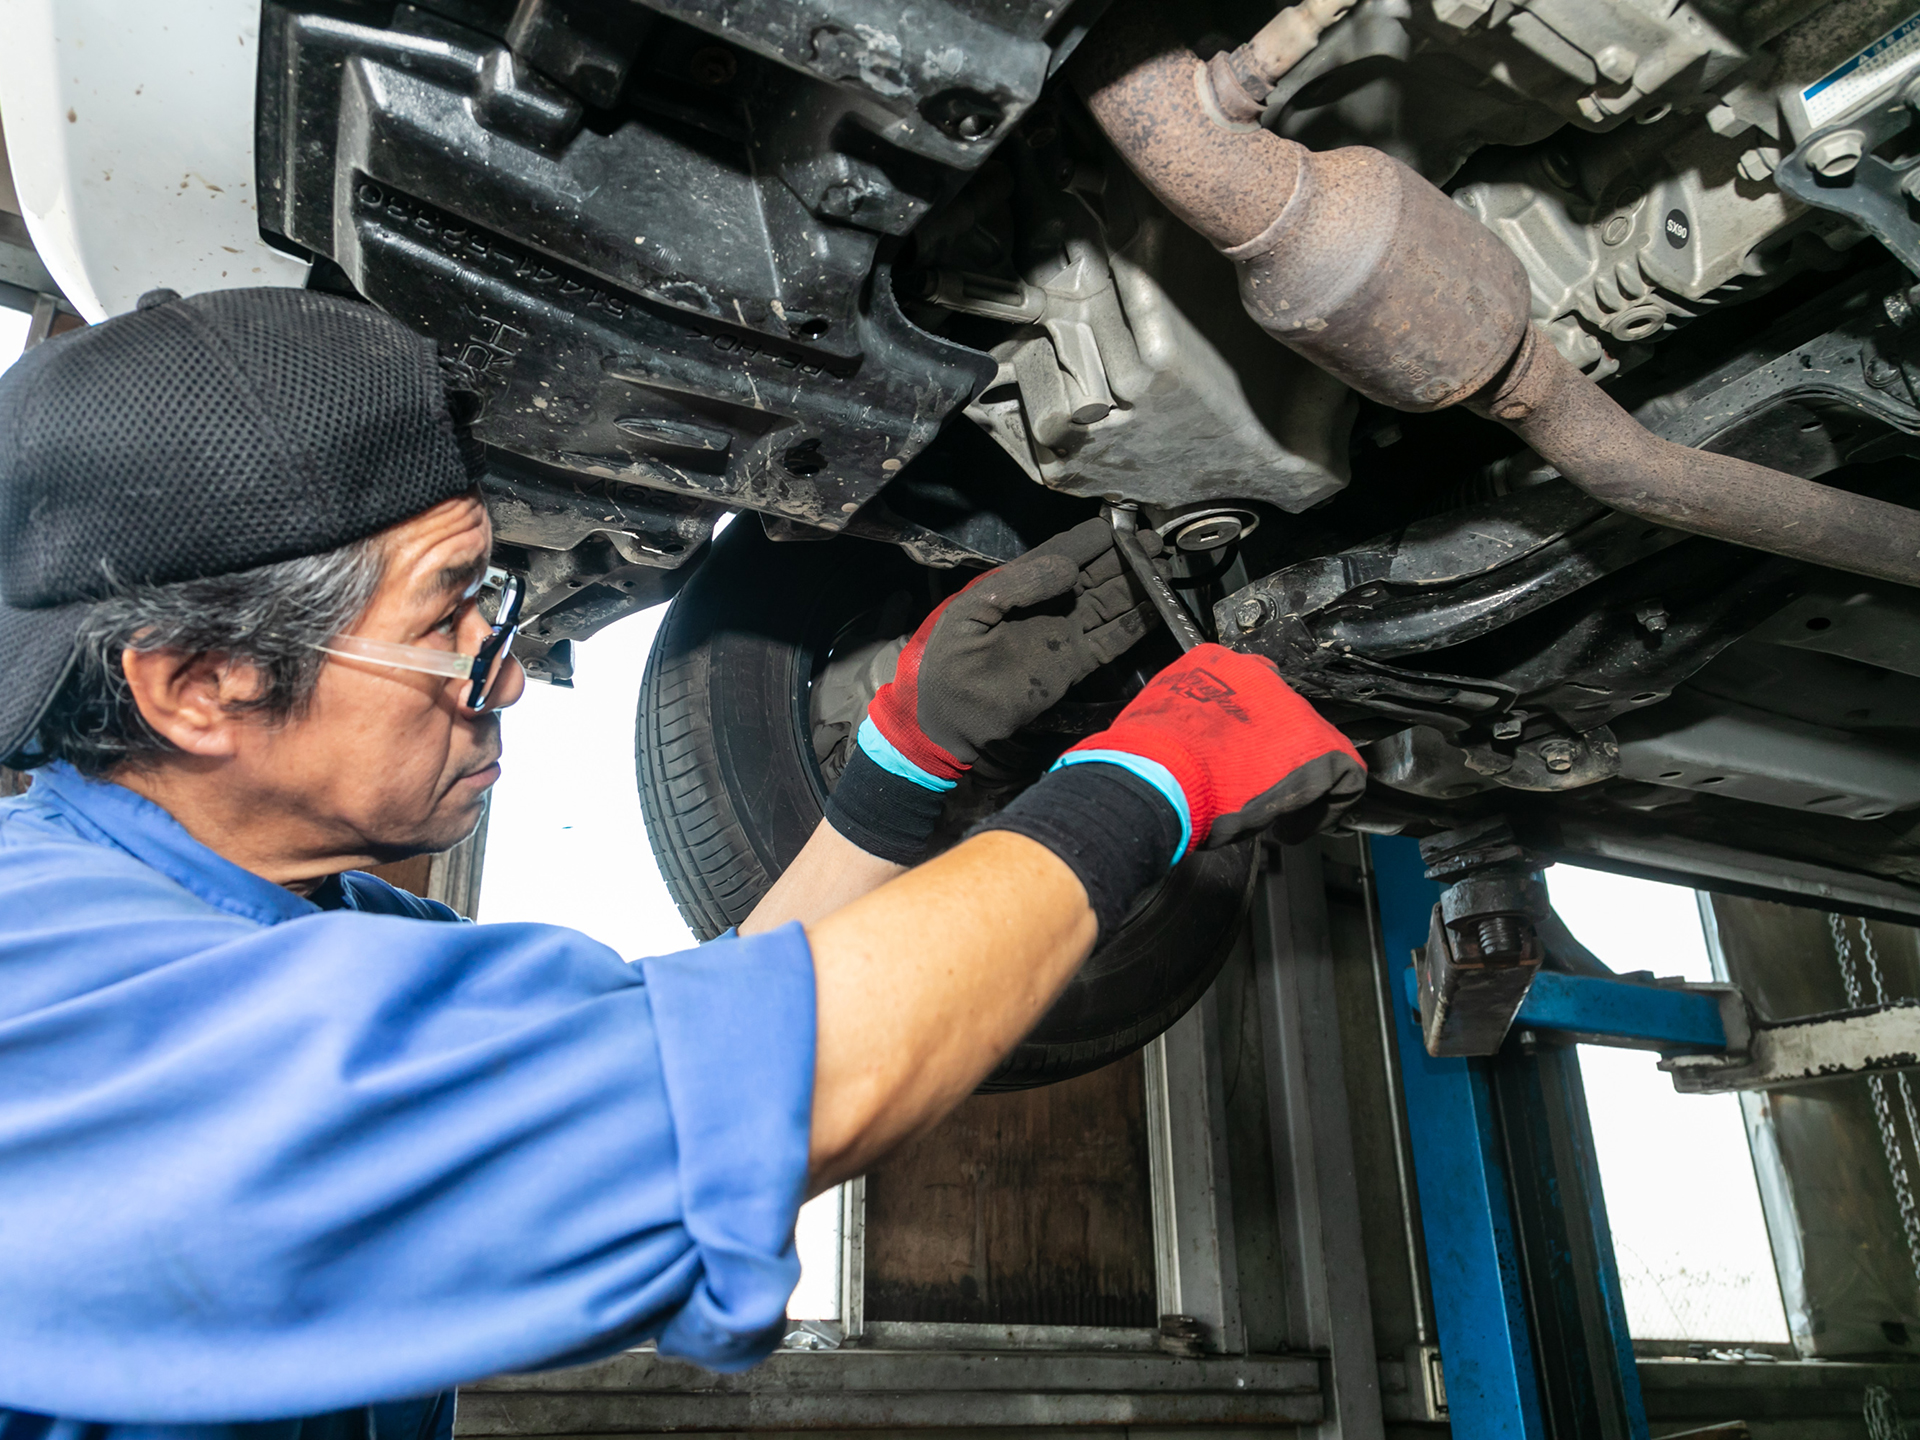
x: 1883, y: 1416
x: 1880, y: 998
x: 1902, y: 1079
x: 1877, y: 1085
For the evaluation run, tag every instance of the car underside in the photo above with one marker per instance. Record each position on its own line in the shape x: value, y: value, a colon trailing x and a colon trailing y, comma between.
x: 1536, y: 382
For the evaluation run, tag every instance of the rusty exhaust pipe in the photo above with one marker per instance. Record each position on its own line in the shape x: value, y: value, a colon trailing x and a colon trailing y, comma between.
x: 1579, y: 429
x: 1365, y: 268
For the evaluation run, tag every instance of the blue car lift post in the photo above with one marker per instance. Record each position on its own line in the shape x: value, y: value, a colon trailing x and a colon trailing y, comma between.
x: 1526, y: 1294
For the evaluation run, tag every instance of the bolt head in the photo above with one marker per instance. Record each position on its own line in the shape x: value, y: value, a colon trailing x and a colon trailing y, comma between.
x: 1832, y: 156
x: 1617, y: 63
x: 1209, y: 533
x: 1616, y: 230
x: 1557, y: 755
x: 1251, y: 613
x: 1758, y: 163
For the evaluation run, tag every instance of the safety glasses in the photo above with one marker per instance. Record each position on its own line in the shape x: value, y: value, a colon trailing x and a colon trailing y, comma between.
x: 498, y: 599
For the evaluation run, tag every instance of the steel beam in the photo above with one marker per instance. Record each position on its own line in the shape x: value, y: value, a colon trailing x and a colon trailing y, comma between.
x: 1329, y: 1309
x: 1194, y: 1265
x: 1473, y: 1264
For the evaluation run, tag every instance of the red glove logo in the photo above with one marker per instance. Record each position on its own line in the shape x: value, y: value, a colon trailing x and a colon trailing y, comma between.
x: 1209, y: 689
x: 1243, y: 748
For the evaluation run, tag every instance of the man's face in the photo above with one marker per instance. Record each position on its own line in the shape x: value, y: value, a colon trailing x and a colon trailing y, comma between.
x: 387, y: 763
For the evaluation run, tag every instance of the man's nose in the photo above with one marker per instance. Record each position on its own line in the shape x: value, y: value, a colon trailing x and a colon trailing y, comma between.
x: 510, y: 684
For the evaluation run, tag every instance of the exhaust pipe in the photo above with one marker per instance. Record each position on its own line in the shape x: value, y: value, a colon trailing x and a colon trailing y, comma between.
x: 1365, y: 268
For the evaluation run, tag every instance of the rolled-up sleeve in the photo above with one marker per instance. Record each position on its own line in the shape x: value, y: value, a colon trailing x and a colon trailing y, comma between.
x: 252, y: 1171
x: 741, y: 1092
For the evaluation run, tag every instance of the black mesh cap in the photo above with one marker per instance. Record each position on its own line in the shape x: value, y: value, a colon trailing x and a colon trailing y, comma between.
x: 196, y: 437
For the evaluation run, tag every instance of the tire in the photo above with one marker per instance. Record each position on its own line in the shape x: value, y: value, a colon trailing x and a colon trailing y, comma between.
x: 734, y: 772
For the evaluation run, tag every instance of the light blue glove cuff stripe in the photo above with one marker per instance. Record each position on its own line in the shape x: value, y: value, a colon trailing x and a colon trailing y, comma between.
x: 880, y: 750
x: 1151, y: 771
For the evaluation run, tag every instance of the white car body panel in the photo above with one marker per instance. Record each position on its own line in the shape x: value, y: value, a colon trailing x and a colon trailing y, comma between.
x: 130, y: 133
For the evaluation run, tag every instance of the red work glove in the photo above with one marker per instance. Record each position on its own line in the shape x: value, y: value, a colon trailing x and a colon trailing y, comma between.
x: 987, y: 662
x: 1232, y: 748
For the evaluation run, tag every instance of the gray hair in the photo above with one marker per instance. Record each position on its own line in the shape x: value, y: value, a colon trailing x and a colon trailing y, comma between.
x: 269, y: 619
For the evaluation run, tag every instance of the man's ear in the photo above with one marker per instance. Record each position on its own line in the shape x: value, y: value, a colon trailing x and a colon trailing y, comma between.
x: 187, y: 699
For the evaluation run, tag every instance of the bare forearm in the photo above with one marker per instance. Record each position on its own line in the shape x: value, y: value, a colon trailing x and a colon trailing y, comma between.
x: 924, y: 984
x: 829, y: 872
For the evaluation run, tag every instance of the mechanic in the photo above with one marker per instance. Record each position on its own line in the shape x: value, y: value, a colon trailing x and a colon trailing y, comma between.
x: 276, y: 1143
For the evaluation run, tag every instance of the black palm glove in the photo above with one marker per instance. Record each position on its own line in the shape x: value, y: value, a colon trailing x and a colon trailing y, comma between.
x: 987, y: 662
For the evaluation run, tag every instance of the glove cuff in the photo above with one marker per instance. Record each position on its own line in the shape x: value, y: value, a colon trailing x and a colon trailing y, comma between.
x: 884, y: 803
x: 1163, y: 781
x: 891, y: 733
x: 1117, y: 831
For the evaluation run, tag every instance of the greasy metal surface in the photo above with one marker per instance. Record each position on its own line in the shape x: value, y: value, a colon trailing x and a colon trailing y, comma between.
x: 1444, y: 581
x: 1573, y: 424
x: 1140, y: 310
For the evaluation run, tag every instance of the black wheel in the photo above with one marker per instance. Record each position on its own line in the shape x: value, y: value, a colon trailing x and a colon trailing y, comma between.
x: 758, y: 678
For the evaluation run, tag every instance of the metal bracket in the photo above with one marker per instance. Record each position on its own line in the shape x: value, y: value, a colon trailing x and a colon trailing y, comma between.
x: 1815, y: 1047
x: 1706, y: 1034
x: 1483, y: 946
x: 1837, y: 169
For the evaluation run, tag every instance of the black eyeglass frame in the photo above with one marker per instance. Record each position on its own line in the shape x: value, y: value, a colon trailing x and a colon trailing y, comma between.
x: 506, y: 624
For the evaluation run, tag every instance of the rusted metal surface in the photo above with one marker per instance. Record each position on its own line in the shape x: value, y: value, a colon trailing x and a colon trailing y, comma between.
x: 1143, y: 87
x: 1243, y: 78
x: 1348, y: 257
x: 1375, y: 276
x: 1576, y: 426
x: 1370, y: 272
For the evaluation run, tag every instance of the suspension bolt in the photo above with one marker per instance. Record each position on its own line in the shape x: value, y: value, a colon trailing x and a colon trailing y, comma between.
x: 1557, y: 755
x: 1250, y: 613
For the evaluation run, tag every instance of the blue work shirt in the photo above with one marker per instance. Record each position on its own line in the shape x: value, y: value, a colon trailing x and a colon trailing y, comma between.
x: 261, y: 1159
